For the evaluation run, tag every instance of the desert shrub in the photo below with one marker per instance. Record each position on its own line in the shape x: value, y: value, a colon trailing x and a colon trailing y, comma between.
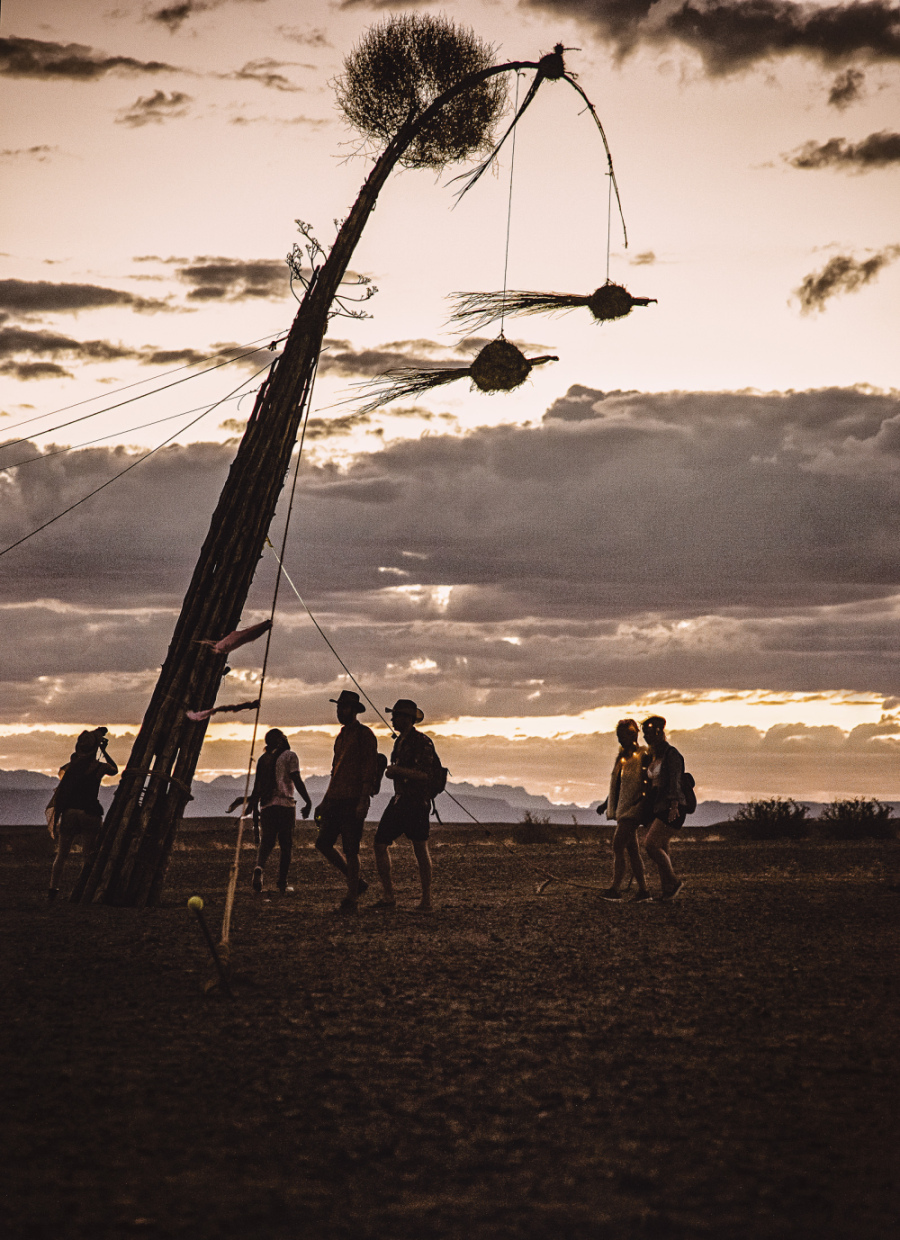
x: 772, y: 818
x: 857, y: 819
x: 533, y: 819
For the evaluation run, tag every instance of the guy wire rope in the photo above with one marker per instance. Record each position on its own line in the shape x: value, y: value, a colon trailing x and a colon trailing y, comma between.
x: 225, y: 936
x: 128, y: 386
x: 87, y: 443
x: 128, y: 468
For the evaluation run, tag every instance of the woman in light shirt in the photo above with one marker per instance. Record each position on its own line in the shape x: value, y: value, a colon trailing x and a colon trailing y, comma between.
x: 626, y: 806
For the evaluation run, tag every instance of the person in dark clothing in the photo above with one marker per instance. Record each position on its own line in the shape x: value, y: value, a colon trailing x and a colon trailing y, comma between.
x: 668, y: 801
x: 342, y: 811
x: 412, y: 767
x: 75, y: 809
x: 273, y: 805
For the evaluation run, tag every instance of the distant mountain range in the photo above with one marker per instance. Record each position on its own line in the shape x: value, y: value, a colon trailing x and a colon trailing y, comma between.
x: 24, y: 794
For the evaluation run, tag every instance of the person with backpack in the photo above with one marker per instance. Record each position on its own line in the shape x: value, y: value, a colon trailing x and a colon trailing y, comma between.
x: 355, y: 778
x: 668, y: 802
x: 416, y: 771
x: 75, y: 809
x: 273, y: 805
x: 628, y: 806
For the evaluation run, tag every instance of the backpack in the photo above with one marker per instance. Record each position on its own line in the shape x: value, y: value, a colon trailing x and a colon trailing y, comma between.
x: 688, y: 785
x: 437, y: 781
x: 380, y: 768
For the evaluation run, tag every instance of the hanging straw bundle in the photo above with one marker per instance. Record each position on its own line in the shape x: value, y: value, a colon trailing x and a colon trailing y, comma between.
x: 499, y: 367
x: 610, y: 301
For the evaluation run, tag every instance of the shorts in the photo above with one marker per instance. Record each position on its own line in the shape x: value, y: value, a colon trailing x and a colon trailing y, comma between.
x: 77, y: 822
x: 339, y: 818
x: 672, y: 826
x: 409, y: 818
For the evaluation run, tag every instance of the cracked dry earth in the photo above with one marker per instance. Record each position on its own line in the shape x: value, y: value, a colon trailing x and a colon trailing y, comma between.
x: 514, y: 1066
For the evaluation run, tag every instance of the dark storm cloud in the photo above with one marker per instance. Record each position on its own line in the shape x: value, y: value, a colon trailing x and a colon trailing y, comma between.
x: 34, y: 58
x: 878, y: 150
x: 234, y: 279
x: 841, y: 274
x: 847, y: 88
x: 25, y: 297
x: 154, y: 109
x: 735, y: 35
x: 676, y: 539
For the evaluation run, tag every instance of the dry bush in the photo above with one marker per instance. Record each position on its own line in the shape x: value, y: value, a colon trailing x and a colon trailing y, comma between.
x: 857, y: 819
x: 398, y: 70
x: 772, y: 818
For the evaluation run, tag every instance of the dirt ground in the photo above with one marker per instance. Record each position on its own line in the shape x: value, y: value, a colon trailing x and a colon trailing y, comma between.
x: 514, y: 1067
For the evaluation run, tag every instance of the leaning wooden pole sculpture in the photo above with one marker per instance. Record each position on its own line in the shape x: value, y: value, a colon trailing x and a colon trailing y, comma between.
x: 130, y: 863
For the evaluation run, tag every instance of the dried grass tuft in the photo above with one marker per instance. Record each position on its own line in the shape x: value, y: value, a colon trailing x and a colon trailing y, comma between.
x: 398, y: 70
x: 476, y: 310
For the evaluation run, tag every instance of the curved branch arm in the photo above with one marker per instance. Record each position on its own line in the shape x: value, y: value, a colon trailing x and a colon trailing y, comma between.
x: 593, y: 111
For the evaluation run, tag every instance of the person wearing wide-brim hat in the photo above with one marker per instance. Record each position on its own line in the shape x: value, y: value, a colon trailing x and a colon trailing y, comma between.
x: 342, y: 811
x: 412, y: 767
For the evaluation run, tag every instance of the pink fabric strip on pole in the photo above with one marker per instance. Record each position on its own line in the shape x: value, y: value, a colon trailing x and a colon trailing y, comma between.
x: 240, y: 637
x: 197, y: 716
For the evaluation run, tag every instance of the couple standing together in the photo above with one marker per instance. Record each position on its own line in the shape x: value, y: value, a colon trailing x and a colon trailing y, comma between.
x: 646, y: 788
x: 355, y: 777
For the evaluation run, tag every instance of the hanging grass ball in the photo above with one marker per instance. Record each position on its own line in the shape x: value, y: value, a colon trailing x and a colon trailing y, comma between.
x: 499, y: 367
x: 611, y: 301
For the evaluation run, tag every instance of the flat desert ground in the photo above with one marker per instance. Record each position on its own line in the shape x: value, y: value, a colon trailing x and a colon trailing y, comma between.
x: 516, y: 1065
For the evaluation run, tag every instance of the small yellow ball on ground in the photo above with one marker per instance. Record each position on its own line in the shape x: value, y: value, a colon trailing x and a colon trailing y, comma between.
x: 195, y: 903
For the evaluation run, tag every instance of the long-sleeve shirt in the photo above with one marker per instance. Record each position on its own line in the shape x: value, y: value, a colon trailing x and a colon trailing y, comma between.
x: 665, y: 775
x: 626, y: 785
x: 354, y: 771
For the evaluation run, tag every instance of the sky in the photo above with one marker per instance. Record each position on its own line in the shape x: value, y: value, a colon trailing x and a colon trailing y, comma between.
x: 693, y: 512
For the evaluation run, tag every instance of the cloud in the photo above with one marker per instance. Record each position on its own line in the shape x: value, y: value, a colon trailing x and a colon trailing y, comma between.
x: 841, y: 274
x: 27, y: 297
x: 39, y: 153
x: 308, y: 38
x: 233, y: 279
x: 34, y: 58
x: 646, y: 259
x: 265, y: 73
x: 878, y: 150
x: 175, y: 15
x: 736, y: 34
x: 154, y: 109
x: 847, y: 88
x: 767, y: 559
x: 49, y: 344
x: 26, y: 371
